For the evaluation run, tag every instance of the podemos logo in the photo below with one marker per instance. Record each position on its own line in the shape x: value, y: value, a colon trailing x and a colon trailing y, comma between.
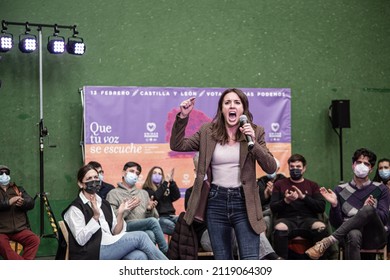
x: 275, y: 135
x: 151, y: 136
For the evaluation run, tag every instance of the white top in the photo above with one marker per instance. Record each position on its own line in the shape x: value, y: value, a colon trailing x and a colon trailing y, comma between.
x: 225, y: 165
x: 83, y: 232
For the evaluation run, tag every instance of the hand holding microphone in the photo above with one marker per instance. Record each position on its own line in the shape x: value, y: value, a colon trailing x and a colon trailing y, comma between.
x: 247, y: 129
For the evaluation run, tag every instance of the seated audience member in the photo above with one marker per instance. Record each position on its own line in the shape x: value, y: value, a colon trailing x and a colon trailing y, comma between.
x: 105, y: 187
x: 296, y: 203
x: 142, y: 214
x: 200, y: 228
x: 359, y: 210
x: 266, y: 185
x: 96, y: 233
x: 165, y: 192
x: 14, y: 224
x: 382, y: 174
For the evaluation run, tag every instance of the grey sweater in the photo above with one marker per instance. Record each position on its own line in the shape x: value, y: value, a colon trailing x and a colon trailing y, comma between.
x: 117, y: 195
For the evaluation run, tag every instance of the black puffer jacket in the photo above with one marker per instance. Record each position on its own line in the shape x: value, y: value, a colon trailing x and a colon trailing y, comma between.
x: 184, y: 242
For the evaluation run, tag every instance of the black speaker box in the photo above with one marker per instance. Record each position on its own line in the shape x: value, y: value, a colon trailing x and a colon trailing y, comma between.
x: 340, y: 114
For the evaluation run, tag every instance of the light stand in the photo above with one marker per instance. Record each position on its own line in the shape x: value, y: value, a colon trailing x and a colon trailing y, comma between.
x: 43, y: 132
x: 340, y: 134
x: 339, y: 115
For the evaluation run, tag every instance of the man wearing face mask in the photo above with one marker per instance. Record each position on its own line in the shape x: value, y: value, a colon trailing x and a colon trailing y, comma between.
x: 359, y: 210
x: 14, y: 224
x: 296, y: 204
x: 142, y: 215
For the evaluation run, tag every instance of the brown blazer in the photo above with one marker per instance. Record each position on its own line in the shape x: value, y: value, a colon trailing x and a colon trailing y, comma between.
x: 202, y: 141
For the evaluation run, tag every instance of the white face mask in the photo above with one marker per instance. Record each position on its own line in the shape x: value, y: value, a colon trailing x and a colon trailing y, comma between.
x: 361, y: 170
x: 101, y: 177
x: 384, y: 174
x: 4, y: 179
x: 131, y: 178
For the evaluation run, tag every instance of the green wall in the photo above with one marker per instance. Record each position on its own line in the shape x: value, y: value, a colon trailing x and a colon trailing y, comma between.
x: 322, y: 50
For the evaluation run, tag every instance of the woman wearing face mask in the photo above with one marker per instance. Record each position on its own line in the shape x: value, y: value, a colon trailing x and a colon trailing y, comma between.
x: 96, y: 232
x: 165, y: 192
x: 382, y: 174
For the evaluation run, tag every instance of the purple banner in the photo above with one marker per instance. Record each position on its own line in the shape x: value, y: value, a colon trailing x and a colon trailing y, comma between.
x: 123, y: 115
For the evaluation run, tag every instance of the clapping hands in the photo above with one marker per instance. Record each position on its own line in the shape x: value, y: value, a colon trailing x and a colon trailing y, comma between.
x: 169, y: 176
x: 294, y: 194
x: 329, y: 195
x: 152, y: 203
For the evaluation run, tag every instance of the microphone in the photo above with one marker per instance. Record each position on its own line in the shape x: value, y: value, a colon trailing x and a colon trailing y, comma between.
x: 244, y: 120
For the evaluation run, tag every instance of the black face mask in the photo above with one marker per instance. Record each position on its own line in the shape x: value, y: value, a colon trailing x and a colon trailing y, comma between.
x: 92, y: 187
x: 295, y: 174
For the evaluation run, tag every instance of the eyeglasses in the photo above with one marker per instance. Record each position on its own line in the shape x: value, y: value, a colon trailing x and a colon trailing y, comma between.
x: 4, y: 171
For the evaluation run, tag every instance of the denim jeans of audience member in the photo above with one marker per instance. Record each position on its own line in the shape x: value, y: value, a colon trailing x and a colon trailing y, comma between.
x: 150, y: 224
x: 205, y: 242
x: 168, y: 223
x: 226, y: 210
x: 265, y: 246
x: 267, y: 217
x: 134, y: 245
x: 365, y: 230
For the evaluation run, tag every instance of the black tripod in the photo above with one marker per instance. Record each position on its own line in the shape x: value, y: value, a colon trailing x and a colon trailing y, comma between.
x: 44, y: 201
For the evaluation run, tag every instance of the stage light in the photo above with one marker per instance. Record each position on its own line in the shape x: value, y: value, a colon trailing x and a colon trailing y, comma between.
x: 75, y: 46
x: 6, y: 39
x: 27, y: 41
x: 6, y: 42
x: 55, y: 43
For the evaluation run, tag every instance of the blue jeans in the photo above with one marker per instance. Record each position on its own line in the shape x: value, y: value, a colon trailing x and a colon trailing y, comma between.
x: 265, y: 246
x: 152, y: 227
x: 132, y: 246
x: 226, y: 210
x: 168, y: 223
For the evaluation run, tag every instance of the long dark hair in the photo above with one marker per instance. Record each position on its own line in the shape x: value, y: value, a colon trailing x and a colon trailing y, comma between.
x: 219, y: 132
x: 378, y: 178
x: 149, y: 183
